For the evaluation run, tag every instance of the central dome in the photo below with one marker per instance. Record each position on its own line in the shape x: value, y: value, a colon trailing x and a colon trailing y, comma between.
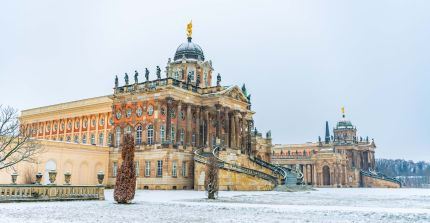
x: 189, y: 50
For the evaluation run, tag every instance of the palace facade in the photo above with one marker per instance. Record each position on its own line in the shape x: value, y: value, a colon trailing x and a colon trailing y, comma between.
x: 178, y: 122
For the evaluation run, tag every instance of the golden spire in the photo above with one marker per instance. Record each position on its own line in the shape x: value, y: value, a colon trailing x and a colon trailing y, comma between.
x: 190, y: 29
x: 343, y: 111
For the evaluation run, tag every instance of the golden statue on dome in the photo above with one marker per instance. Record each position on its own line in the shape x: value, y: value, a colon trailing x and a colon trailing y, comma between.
x: 190, y: 29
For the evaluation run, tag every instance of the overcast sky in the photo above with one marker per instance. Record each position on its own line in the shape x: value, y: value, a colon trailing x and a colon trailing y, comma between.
x: 301, y: 60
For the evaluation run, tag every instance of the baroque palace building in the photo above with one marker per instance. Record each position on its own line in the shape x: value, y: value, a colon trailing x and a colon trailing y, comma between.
x: 178, y: 122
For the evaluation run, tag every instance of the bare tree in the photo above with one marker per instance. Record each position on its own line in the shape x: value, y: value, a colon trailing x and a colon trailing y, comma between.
x: 29, y: 176
x: 16, y: 143
x: 211, y: 179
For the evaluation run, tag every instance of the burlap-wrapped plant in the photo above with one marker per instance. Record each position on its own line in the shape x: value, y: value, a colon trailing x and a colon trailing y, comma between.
x: 125, y: 184
x: 211, y: 179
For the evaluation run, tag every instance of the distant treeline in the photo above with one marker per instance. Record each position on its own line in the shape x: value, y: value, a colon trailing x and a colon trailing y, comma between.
x: 410, y: 173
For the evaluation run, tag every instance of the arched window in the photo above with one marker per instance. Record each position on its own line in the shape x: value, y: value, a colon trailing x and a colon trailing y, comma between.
x: 84, y: 139
x: 193, y: 140
x: 182, y: 136
x: 76, y: 139
x: 139, y: 135
x: 93, y: 139
x: 150, y: 139
x: 128, y: 130
x: 172, y: 134
x: 101, y: 139
x: 162, y: 134
x: 117, y: 136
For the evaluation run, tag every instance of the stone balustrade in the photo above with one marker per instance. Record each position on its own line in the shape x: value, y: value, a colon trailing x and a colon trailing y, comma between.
x: 52, y: 192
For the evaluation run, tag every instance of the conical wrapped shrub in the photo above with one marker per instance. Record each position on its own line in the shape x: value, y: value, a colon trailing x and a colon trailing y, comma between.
x: 125, y: 184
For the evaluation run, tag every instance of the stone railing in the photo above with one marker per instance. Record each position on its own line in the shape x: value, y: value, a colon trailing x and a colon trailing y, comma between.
x: 380, y: 176
x: 52, y: 192
x: 31, y: 192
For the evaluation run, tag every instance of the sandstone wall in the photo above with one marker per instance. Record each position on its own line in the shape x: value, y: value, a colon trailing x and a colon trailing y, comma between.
x: 374, y: 182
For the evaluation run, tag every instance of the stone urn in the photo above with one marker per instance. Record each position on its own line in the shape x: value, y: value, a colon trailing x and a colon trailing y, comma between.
x: 14, y: 177
x: 100, y: 177
x: 67, y: 177
x: 52, y: 176
x: 39, y: 178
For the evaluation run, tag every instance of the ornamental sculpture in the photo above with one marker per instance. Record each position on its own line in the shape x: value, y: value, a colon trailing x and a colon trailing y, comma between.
x: 136, y: 74
x: 146, y: 74
x: 116, y: 81
x: 218, y: 80
x: 126, y: 79
x: 158, y: 73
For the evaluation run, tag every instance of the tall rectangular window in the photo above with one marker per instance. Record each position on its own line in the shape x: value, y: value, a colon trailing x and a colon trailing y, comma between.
x: 93, y: 139
x: 110, y: 139
x: 159, y: 168
x: 194, y: 139
x: 147, y: 168
x: 114, y: 169
x: 184, y: 168
x: 162, y: 134
x: 136, y: 165
x: 182, y: 136
x: 101, y: 139
x: 174, y: 169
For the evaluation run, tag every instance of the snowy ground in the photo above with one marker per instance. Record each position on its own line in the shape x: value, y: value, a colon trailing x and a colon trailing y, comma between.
x: 323, y: 205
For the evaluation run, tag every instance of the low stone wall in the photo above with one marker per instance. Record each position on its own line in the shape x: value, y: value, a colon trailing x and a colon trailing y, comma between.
x: 376, y: 182
x: 19, y: 193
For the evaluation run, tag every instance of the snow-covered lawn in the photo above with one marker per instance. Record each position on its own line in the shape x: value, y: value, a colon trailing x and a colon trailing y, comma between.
x: 323, y: 205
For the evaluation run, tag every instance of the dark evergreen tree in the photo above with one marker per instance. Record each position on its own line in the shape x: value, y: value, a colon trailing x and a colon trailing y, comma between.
x: 125, y: 184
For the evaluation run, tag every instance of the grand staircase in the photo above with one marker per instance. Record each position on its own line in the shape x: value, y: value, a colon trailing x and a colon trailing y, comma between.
x: 380, y: 176
x: 286, y: 176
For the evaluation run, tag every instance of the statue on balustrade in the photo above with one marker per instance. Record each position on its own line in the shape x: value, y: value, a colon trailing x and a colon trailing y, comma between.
x: 158, y: 73
x: 126, y: 79
x: 218, y: 80
x: 136, y: 74
x: 116, y: 81
x: 269, y: 134
x: 146, y: 74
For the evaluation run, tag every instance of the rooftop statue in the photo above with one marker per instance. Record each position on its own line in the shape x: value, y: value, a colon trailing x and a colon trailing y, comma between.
x: 136, y: 74
x: 269, y: 134
x: 116, y: 81
x: 146, y: 74
x: 158, y: 72
x: 126, y: 79
x: 218, y: 80
x: 249, y: 98
x: 244, y: 90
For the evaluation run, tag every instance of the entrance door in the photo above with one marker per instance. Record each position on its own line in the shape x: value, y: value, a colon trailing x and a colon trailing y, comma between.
x: 326, y: 175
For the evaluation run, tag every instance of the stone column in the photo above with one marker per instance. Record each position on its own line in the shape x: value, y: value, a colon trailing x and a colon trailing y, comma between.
x: 218, y: 121
x: 227, y: 128
x: 244, y: 127
x: 237, y: 136
x: 233, y: 131
x: 305, y: 174
x: 314, y: 175
x: 189, y: 130
x: 178, y: 122
x: 206, y: 137
x: 168, y: 120
x: 198, y: 142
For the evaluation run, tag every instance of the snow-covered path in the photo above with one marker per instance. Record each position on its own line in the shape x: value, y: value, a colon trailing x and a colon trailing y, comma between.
x: 323, y: 205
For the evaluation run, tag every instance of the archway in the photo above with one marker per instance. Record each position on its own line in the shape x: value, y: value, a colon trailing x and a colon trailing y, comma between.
x: 326, y: 175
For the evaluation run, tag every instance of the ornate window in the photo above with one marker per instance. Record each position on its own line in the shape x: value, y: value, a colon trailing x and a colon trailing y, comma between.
x: 93, y: 139
x: 117, y: 136
x: 76, y: 139
x: 136, y: 165
x: 77, y: 124
x: 150, y: 138
x: 102, y: 121
x: 184, y: 168
x: 85, y: 123
x: 69, y: 126
x: 147, y: 168
x: 128, y: 130
x: 182, y: 136
x: 110, y: 139
x: 205, y: 78
x: 118, y: 114
x: 176, y: 75
x: 159, y: 168
x: 93, y: 122
x: 139, y: 111
x: 114, y: 169
x: 128, y: 113
x: 191, y: 75
x: 139, y: 135
x: 194, y: 139
x: 101, y: 139
x: 182, y: 114
x: 150, y: 110
x: 174, y: 168
x: 62, y: 126
x: 172, y: 113
x: 84, y: 139
x: 55, y: 127
x: 162, y: 134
